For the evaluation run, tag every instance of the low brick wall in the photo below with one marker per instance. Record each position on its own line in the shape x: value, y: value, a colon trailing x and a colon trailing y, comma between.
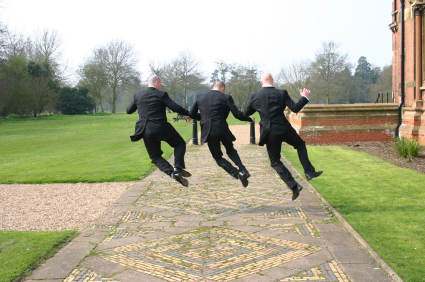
x: 318, y: 123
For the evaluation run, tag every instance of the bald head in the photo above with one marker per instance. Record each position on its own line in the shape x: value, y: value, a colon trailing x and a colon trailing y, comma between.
x: 266, y: 79
x: 219, y: 85
x: 155, y: 81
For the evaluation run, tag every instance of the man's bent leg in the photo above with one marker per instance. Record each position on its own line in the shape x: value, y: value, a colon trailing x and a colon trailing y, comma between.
x: 217, y: 154
x: 155, y: 153
x: 303, y: 156
x: 273, y: 150
x: 177, y: 142
x: 234, y: 156
x: 293, y: 139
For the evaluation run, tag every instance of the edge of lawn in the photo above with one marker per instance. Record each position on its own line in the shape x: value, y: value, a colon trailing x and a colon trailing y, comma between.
x: 348, y: 227
x: 50, y: 253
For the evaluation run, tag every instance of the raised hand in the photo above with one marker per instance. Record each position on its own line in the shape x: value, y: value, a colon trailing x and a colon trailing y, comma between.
x: 305, y: 92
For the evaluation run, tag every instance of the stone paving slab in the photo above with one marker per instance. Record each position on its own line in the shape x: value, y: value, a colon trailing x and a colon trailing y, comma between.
x: 215, y: 230
x: 102, y: 266
x: 58, y: 267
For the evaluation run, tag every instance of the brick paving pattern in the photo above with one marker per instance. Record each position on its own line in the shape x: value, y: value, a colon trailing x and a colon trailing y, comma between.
x: 216, y: 230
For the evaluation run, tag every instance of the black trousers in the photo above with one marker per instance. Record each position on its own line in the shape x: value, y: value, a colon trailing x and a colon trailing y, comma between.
x: 286, y: 133
x: 153, y: 146
x: 214, y: 144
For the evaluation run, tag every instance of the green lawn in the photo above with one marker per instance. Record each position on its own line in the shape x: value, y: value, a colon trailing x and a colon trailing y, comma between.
x: 384, y: 204
x: 19, y: 250
x: 85, y: 148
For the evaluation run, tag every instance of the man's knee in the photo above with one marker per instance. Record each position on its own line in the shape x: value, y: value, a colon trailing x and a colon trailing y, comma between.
x: 299, y: 145
x: 220, y: 161
x: 231, y: 151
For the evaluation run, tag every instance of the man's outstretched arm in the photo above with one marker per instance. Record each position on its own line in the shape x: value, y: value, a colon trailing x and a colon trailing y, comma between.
x: 174, y: 106
x: 194, y: 111
x: 296, y: 107
x: 132, y: 107
x: 249, y: 110
x: 236, y: 113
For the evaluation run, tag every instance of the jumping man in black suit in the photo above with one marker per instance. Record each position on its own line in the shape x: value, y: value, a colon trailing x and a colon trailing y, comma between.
x: 275, y: 128
x: 215, y: 107
x: 153, y: 127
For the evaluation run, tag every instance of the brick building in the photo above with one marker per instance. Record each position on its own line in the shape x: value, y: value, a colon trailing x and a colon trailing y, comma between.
x: 408, y: 69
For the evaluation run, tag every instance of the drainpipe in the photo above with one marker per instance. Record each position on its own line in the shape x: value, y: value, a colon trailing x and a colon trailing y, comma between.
x: 400, y: 120
x: 418, y: 10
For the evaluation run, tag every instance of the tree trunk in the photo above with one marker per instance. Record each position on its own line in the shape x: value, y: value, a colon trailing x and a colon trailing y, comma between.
x: 113, y: 101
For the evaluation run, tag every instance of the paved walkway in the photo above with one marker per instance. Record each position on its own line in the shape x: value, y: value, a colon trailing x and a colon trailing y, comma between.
x: 214, y: 230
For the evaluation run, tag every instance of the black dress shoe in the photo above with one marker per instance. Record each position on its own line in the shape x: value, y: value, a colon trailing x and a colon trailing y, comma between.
x: 296, y: 191
x: 243, y: 177
x: 246, y: 172
x: 179, y: 178
x: 183, y: 172
x: 313, y: 174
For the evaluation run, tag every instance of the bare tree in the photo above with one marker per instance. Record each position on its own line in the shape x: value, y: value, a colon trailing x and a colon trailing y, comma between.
x: 224, y: 69
x: 243, y: 82
x: 93, y: 76
x: 328, y: 71
x: 120, y: 62
x: 157, y: 68
x: 181, y: 77
x: 47, y: 48
x: 14, y: 44
x: 189, y: 77
x: 293, y: 78
x: 168, y: 73
x: 47, y: 45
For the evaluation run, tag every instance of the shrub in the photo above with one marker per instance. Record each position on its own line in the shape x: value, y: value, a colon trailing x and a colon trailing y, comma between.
x: 73, y: 101
x: 407, y: 147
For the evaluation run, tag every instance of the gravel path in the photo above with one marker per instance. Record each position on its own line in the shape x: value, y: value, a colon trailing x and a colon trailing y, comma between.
x: 46, y: 207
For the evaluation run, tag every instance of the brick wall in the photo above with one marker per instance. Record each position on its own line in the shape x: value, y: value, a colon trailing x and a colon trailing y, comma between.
x: 345, y: 123
x: 409, y: 42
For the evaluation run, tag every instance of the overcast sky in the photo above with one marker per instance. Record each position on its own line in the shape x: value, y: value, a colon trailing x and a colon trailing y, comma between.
x: 270, y: 33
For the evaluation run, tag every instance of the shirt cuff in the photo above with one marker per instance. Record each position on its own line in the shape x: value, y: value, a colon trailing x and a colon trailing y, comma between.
x: 306, y: 98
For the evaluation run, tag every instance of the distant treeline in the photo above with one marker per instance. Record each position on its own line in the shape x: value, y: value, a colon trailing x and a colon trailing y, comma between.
x: 34, y: 77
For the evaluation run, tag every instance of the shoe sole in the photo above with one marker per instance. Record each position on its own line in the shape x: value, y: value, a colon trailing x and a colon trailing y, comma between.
x: 184, y: 173
x: 244, y: 179
x: 311, y: 177
x: 183, y: 181
x: 294, y: 198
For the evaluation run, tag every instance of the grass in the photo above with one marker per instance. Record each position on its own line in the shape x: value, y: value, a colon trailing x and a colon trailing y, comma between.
x: 406, y: 147
x: 384, y: 204
x: 19, y: 250
x: 85, y: 148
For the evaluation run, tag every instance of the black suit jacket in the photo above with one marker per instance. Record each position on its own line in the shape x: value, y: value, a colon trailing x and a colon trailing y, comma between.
x: 215, y: 107
x: 151, y: 105
x: 270, y: 103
